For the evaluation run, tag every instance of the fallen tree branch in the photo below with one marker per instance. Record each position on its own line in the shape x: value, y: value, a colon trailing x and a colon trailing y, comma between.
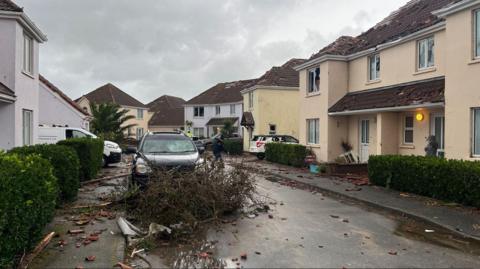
x: 93, y: 181
x: 91, y: 206
x: 29, y: 258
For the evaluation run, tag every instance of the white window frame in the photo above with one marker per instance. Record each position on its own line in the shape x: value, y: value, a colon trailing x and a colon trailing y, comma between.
x: 27, y: 127
x: 28, y: 53
x: 199, y: 132
x: 405, y: 129
x: 473, y: 143
x: 476, y: 34
x: 250, y: 99
x: 312, y: 87
x: 218, y: 110
x: 196, y: 110
x: 140, y: 114
x: 316, y: 131
x: 374, y: 67
x: 139, y: 133
x: 232, y: 110
x: 423, y: 44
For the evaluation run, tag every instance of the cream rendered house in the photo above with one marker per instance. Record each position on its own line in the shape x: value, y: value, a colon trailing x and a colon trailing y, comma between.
x: 413, y: 75
x: 109, y: 93
x: 271, y: 105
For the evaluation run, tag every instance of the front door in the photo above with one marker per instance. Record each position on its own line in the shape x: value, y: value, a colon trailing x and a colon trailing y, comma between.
x: 364, y: 140
x: 438, y: 130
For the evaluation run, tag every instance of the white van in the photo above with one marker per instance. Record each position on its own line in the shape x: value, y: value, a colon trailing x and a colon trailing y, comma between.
x: 112, y: 153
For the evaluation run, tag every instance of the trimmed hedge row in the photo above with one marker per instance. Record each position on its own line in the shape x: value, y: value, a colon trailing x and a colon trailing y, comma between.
x: 450, y: 180
x: 66, y: 166
x: 90, y: 153
x: 29, y: 191
x: 233, y: 147
x: 289, y: 154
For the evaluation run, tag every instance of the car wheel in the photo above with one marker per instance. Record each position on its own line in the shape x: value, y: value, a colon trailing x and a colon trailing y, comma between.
x: 261, y: 156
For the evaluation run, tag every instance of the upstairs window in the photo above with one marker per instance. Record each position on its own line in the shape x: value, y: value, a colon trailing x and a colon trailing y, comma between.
x: 314, y: 80
x: 232, y: 109
x: 374, y: 67
x: 250, y: 99
x: 140, y: 114
x: 426, y: 55
x: 198, y: 111
x: 408, y: 130
x: 477, y: 33
x: 217, y: 110
x: 27, y: 54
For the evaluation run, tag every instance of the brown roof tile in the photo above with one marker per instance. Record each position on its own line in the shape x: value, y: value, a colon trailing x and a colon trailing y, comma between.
x: 6, y: 90
x: 56, y: 90
x: 109, y: 93
x: 168, y: 111
x: 228, y: 92
x: 412, y: 17
x: 8, y: 5
x: 247, y: 119
x: 413, y: 93
x: 283, y: 75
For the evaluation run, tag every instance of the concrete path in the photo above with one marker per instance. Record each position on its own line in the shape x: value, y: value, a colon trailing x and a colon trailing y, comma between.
x: 461, y: 220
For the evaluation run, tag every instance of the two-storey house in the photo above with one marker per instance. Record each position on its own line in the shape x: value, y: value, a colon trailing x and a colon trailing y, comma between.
x: 19, y: 82
x: 206, y: 114
x: 109, y: 93
x: 270, y: 105
x: 411, y: 76
x: 168, y: 114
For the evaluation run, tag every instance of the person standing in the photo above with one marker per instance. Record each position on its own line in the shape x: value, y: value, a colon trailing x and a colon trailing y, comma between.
x: 218, y: 148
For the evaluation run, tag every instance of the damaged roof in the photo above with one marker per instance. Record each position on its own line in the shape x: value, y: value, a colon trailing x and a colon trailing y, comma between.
x: 67, y: 99
x: 109, y: 93
x: 283, y: 75
x: 7, y: 5
x: 228, y: 92
x: 407, y: 94
x: 412, y: 17
x: 168, y: 111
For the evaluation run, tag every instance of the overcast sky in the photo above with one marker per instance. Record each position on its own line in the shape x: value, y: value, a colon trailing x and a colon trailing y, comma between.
x: 182, y: 47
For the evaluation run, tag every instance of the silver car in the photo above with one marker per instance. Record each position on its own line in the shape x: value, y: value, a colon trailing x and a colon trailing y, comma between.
x: 165, y: 150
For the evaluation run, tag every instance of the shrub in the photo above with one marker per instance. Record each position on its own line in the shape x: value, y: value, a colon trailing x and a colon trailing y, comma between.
x: 90, y: 153
x: 233, y: 147
x: 66, y: 166
x: 450, y: 180
x: 289, y: 154
x: 28, y: 195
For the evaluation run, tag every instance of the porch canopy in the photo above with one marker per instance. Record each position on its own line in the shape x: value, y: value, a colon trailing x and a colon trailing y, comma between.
x: 6, y: 95
x: 418, y: 94
x: 247, y: 120
x: 221, y: 121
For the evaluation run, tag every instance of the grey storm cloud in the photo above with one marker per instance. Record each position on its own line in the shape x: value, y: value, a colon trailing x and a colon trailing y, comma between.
x: 182, y: 47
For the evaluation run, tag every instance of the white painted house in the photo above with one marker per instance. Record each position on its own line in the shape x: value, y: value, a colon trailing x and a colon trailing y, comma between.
x: 209, y: 111
x: 19, y: 80
x: 56, y: 108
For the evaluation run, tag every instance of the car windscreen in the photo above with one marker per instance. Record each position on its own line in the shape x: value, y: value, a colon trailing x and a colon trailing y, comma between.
x: 167, y: 144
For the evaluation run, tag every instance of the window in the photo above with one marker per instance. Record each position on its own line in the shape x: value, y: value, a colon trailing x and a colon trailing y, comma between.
x: 198, y: 132
x: 140, y: 114
x: 139, y: 133
x: 27, y: 122
x: 27, y: 54
x: 74, y: 134
x: 250, y: 99
x: 426, y: 57
x: 374, y: 67
x: 232, y: 109
x: 408, y: 130
x: 477, y: 33
x: 272, y: 129
x: 217, y: 110
x: 314, y: 80
x: 198, y: 111
x: 312, y: 131
x: 476, y: 132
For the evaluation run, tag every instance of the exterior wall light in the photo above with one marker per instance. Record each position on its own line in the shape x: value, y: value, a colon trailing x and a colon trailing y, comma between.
x: 419, y: 116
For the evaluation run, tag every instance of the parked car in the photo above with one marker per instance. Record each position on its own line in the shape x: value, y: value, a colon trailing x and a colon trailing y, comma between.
x: 163, y: 150
x: 209, y: 141
x: 112, y: 153
x: 257, y: 145
x: 199, y: 144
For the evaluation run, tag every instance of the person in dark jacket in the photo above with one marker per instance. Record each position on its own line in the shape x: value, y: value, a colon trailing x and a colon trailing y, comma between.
x: 218, y: 148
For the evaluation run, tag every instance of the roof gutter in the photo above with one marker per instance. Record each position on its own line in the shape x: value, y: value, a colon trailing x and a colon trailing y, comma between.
x: 26, y: 22
x: 387, y: 109
x: 264, y: 87
x: 444, y: 12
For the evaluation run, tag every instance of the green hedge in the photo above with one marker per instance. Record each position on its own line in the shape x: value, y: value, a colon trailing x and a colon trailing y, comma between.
x: 90, y: 153
x: 66, y: 166
x: 233, y: 147
x: 449, y: 180
x: 289, y: 154
x: 28, y: 191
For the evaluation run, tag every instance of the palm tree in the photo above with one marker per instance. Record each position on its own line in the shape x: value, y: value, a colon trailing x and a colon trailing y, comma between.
x: 109, y: 121
x: 228, y: 129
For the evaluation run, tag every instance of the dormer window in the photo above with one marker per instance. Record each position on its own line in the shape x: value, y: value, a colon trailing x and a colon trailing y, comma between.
x: 27, y: 54
x: 477, y: 33
x: 374, y: 67
x: 426, y: 55
x: 313, y: 80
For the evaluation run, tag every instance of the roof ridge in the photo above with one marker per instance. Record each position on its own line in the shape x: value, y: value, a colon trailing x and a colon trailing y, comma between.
x: 57, y: 90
